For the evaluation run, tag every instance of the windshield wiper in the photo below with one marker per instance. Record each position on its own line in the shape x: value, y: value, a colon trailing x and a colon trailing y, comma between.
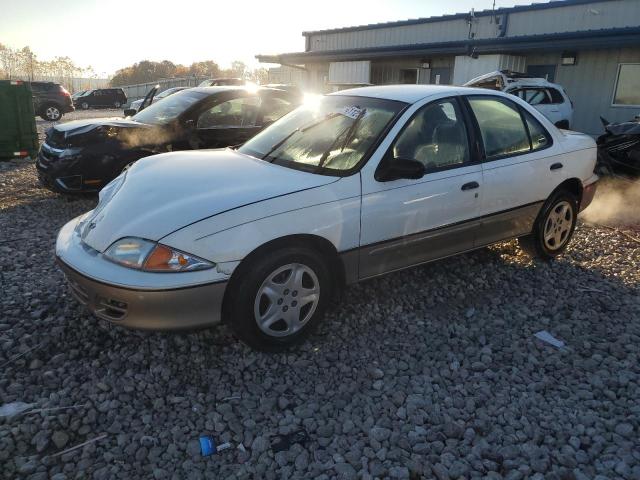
x: 308, y: 127
x: 350, y: 131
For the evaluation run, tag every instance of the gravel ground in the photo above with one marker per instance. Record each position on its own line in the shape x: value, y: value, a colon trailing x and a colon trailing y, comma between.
x: 433, y: 372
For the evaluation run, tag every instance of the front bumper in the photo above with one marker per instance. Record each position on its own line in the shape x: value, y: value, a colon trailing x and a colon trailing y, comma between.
x: 61, y: 173
x: 165, y: 306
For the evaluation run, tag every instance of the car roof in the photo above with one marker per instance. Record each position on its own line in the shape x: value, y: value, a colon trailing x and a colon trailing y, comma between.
x: 408, y: 93
x: 231, y: 88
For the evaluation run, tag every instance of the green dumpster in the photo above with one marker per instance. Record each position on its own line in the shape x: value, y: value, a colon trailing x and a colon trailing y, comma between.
x: 18, y: 134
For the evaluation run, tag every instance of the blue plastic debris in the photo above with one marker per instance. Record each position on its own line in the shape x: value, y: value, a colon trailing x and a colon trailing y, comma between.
x: 208, y: 446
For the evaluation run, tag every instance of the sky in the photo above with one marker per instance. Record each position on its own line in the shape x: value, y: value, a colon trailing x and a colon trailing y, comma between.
x: 111, y: 34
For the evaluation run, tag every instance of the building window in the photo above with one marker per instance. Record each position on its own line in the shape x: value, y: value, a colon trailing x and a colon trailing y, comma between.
x: 627, y: 91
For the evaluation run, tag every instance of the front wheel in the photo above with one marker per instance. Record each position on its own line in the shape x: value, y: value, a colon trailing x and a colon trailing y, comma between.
x: 85, y: 106
x: 553, y: 228
x: 280, y: 299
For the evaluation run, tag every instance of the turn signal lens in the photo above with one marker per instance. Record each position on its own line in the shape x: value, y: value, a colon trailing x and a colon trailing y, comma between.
x: 146, y: 255
x: 165, y: 259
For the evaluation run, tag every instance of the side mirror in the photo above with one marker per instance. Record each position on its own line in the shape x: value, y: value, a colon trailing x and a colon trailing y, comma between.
x: 130, y: 112
x: 397, y: 168
x: 190, y: 124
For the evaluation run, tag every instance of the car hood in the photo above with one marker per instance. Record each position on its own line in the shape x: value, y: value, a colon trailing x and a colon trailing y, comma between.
x: 164, y: 193
x: 83, y: 126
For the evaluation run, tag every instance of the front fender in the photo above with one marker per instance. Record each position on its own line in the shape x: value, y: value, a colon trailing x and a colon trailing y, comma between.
x: 330, y: 211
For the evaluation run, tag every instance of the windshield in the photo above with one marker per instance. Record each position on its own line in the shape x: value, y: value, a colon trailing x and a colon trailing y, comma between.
x: 160, y: 113
x: 330, y: 134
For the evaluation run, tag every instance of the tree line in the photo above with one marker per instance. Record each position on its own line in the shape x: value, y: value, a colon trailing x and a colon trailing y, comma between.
x: 22, y: 64
x: 147, y: 71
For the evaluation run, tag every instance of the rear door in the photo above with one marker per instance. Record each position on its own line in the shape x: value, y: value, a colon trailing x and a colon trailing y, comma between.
x: 520, y: 167
x: 410, y: 221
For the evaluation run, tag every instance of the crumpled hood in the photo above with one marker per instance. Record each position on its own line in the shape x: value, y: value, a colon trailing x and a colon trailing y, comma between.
x: 83, y: 126
x: 166, y: 192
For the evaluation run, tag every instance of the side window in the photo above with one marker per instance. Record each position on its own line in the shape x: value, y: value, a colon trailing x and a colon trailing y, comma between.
x: 534, y: 96
x: 274, y: 107
x: 556, y: 96
x: 539, y: 137
x: 436, y: 137
x: 501, y: 127
x: 237, y: 112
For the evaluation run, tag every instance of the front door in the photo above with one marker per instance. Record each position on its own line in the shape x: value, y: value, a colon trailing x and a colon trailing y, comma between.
x: 231, y: 122
x: 441, y: 76
x: 411, y: 221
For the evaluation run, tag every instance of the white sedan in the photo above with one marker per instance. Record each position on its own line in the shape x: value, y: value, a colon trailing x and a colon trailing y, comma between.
x: 352, y: 185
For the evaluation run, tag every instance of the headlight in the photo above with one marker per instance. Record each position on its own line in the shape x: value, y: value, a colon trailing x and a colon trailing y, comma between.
x: 153, y: 257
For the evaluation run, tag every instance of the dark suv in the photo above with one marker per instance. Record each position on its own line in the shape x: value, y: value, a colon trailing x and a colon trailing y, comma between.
x: 102, y: 97
x: 50, y: 100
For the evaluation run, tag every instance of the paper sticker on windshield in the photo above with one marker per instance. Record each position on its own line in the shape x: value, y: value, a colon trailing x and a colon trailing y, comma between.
x: 352, y: 112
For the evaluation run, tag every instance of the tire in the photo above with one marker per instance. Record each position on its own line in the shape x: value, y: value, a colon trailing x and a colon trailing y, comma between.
x: 84, y: 105
x: 554, y: 227
x: 51, y: 113
x: 285, y: 319
x: 117, y: 104
x: 563, y: 124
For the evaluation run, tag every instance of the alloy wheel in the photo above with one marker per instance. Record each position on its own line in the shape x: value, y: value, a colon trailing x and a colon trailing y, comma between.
x: 557, y: 227
x: 286, y: 300
x: 52, y: 113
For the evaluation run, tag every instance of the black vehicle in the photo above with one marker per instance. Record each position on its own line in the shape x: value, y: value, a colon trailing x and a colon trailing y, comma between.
x: 51, y: 100
x: 619, y: 149
x: 220, y: 82
x: 102, y: 97
x: 85, y: 155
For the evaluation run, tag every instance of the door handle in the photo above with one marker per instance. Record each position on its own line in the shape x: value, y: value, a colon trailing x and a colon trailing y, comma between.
x: 556, y: 166
x: 470, y: 186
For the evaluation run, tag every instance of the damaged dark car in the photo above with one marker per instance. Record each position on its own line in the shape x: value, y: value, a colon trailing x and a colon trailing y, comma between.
x: 85, y: 155
x: 619, y: 149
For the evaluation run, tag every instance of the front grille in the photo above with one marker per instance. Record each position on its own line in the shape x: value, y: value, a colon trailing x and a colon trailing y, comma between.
x: 56, y: 139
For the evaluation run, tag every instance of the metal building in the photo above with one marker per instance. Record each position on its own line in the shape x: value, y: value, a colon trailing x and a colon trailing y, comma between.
x: 591, y: 47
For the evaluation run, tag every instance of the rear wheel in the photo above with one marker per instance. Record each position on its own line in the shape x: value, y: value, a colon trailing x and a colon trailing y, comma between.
x: 52, y: 113
x: 280, y: 299
x: 553, y: 228
x: 117, y: 104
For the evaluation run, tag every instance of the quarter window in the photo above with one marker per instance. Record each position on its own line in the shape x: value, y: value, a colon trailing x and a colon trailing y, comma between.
x: 539, y: 137
x: 503, y: 132
x: 556, y: 96
x: 627, y: 90
x: 237, y: 112
x: 436, y: 137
